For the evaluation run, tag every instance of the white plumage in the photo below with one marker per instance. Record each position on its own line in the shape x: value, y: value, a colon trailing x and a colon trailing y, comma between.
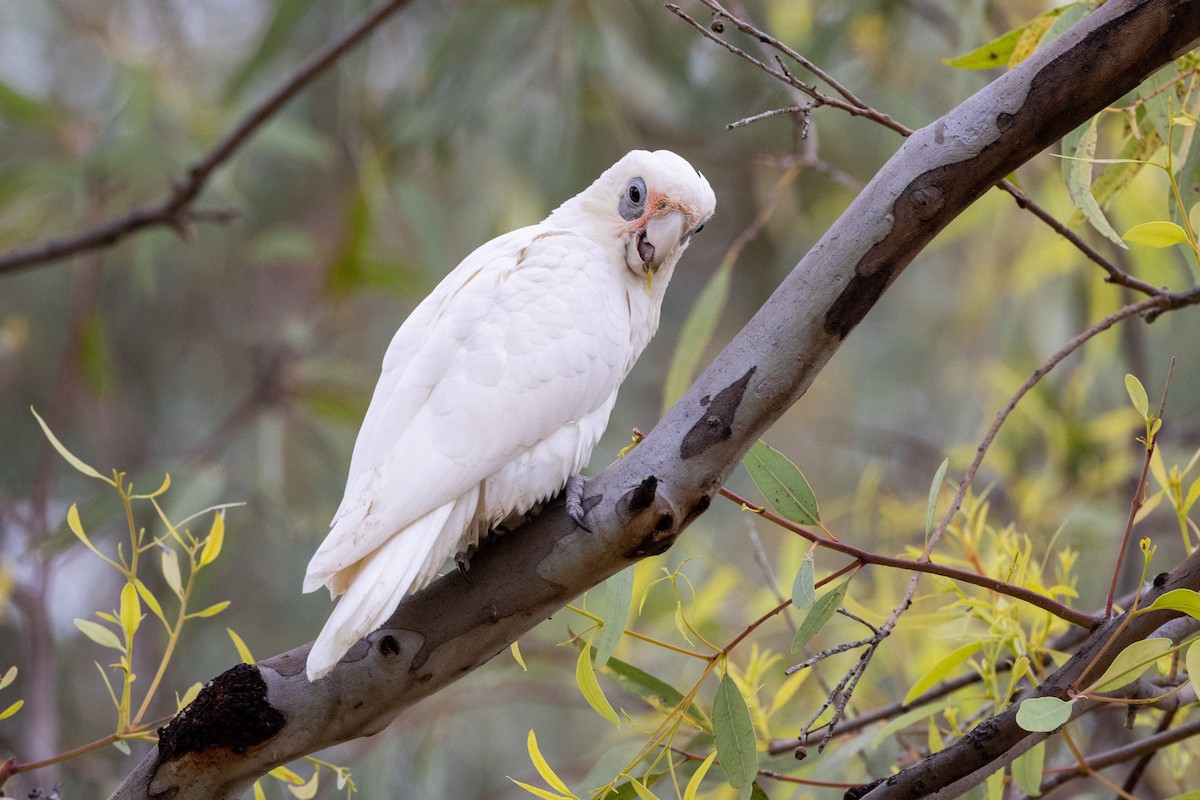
x: 497, y: 387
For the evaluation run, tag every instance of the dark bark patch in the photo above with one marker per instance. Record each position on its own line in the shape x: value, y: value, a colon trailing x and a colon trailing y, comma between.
x: 641, y: 497
x: 716, y: 424
x: 859, y: 296
x: 389, y: 646
x: 232, y: 713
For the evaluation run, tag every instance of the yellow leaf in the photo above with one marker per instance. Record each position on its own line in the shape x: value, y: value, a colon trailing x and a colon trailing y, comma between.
x: 308, y: 790
x: 543, y: 768
x: 8, y: 678
x: 170, y: 571
x: 188, y: 696
x: 211, y: 611
x: 287, y: 776
x: 941, y: 669
x: 585, y: 678
x: 70, y: 457
x: 642, y: 791
x: 99, y: 634
x: 14, y: 708
x: 131, y: 610
x: 516, y: 654
x: 243, y: 651
x: 694, y: 784
x: 216, y: 537
x: 77, y: 528
x: 150, y: 600
x: 259, y: 794
x: 166, y: 484
x: 536, y: 792
x: 1156, y: 234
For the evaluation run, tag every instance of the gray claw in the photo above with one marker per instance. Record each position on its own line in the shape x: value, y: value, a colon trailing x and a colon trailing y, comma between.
x: 574, y: 500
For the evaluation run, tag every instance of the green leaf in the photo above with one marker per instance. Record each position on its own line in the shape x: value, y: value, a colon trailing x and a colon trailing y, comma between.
x: 216, y: 537
x: 131, y: 610
x: 99, y: 634
x: 1078, y: 174
x: 1116, y: 176
x: 1156, y: 234
x: 1192, y: 661
x: 67, y: 455
x: 782, y: 484
x: 1043, y: 714
x: 585, y: 679
x: 820, y: 613
x: 1191, y: 795
x: 693, y: 785
x: 935, y: 489
x: 1137, y: 394
x: 988, y: 56
x: 211, y: 611
x: 1027, y: 770
x: 617, y: 597
x: 650, y: 689
x: 941, y: 669
x: 1180, y: 600
x: 804, y: 591
x: 96, y: 362
x: 542, y: 766
x: 12, y: 709
x: 696, y: 334
x: 1131, y: 662
x: 734, y: 734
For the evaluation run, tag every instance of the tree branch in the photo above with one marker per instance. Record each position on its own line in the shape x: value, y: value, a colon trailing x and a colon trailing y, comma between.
x: 253, y: 718
x: 174, y: 209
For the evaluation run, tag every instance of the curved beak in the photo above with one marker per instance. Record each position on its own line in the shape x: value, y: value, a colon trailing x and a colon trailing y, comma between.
x: 649, y: 247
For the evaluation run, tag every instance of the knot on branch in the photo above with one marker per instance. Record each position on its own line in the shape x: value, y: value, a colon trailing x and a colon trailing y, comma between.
x: 231, y: 712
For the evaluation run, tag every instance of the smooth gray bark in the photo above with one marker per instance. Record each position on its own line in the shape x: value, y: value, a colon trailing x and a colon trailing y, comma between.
x: 254, y: 718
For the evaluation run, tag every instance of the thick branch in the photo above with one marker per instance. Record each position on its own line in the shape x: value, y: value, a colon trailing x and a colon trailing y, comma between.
x: 240, y: 728
x: 174, y: 209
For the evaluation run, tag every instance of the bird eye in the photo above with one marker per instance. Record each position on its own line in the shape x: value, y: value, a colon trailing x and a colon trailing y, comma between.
x: 633, y: 200
x: 698, y: 229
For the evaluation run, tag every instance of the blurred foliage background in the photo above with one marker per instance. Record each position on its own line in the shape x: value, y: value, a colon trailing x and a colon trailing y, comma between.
x: 240, y: 359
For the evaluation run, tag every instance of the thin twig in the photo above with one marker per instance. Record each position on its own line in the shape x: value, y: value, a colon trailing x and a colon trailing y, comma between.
x: 173, y: 208
x: 1043, y: 602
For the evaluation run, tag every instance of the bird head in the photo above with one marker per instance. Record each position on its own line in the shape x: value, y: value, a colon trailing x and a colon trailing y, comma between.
x: 647, y: 205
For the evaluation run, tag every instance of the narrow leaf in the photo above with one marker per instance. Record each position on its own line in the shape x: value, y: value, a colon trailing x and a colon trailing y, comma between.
x: 12, y: 709
x: 259, y: 794
x: 803, y: 589
x: 76, y: 527
x: 515, y: 649
x: 286, y: 775
x: 131, y: 610
x: 541, y: 765
x: 782, y: 483
x: 99, y: 634
x: 617, y: 597
x: 309, y: 790
x: 242, y: 651
x: 1027, y: 770
x: 191, y: 694
x: 170, y: 571
x: 1192, y: 661
x: 1043, y: 714
x: 151, y: 601
x: 642, y: 791
x: 8, y: 678
x: 1137, y: 394
x: 166, y: 484
x: 935, y: 489
x: 211, y: 611
x: 734, y: 734
x: 820, y: 613
x: 67, y: 455
x: 693, y: 786
x: 1131, y: 662
x: 216, y: 537
x: 1156, y: 234
x: 1079, y: 181
x: 941, y: 669
x: 536, y: 792
x: 652, y: 690
x: 995, y: 53
x: 585, y: 679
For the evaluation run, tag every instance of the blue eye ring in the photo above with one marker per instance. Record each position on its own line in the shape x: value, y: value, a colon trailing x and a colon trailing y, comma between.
x: 633, y: 200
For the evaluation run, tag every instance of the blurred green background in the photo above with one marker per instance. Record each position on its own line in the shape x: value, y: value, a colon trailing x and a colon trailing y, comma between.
x: 241, y: 359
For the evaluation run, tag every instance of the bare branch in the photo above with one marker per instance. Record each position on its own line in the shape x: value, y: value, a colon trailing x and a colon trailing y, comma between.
x: 174, y: 208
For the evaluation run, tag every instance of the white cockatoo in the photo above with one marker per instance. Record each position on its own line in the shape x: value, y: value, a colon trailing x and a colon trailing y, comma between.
x: 497, y: 387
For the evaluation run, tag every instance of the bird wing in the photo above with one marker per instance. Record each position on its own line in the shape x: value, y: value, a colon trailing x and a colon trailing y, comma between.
x: 528, y: 334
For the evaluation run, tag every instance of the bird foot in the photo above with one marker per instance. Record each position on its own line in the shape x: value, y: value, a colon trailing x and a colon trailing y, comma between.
x: 574, y: 500
x: 463, y: 562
